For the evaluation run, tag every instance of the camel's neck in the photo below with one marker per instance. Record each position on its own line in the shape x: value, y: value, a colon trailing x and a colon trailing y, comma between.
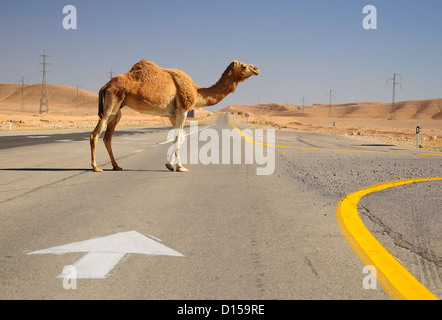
x: 211, y: 96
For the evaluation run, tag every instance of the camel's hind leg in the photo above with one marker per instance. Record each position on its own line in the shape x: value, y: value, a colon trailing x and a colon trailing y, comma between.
x: 108, y: 139
x: 93, y: 140
x: 110, y: 101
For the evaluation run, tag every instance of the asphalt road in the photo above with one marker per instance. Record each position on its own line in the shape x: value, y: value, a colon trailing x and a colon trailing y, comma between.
x: 240, y: 235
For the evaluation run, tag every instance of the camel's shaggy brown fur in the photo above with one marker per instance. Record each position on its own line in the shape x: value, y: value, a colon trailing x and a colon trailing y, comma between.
x: 171, y: 93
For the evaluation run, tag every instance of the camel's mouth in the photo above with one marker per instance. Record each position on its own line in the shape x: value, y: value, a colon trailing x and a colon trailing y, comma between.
x: 244, y: 70
x: 254, y: 70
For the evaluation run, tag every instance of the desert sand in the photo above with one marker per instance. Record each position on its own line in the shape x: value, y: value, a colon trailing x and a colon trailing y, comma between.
x: 367, y: 121
x: 67, y: 109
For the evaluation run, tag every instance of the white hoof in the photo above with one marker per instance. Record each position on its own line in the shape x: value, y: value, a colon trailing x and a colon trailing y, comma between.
x: 181, y: 169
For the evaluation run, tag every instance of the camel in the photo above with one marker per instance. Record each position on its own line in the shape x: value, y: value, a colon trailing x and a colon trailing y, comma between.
x: 171, y: 93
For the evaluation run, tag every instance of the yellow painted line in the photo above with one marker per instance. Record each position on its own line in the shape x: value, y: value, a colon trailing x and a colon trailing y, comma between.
x: 326, y: 149
x: 216, y: 118
x: 393, y: 277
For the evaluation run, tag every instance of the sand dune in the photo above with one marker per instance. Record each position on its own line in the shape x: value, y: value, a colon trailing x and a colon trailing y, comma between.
x: 418, y: 109
x: 359, y: 120
x: 68, y: 108
x: 369, y: 121
x: 59, y: 96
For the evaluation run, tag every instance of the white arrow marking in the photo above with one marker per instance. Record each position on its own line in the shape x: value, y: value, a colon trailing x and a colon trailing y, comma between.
x: 95, y: 265
x: 104, y: 253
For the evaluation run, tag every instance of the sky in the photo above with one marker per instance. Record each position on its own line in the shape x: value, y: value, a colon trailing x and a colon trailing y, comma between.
x: 303, y: 49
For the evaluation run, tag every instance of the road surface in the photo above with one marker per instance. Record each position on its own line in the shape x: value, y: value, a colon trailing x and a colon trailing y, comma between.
x: 238, y: 234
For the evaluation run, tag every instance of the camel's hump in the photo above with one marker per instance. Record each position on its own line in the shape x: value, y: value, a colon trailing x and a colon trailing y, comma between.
x: 144, y: 66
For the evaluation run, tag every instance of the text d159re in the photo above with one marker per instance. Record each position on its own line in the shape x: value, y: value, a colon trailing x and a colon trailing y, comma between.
x: 223, y: 309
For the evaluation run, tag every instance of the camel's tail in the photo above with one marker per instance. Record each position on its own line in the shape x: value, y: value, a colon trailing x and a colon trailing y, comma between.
x: 101, y: 96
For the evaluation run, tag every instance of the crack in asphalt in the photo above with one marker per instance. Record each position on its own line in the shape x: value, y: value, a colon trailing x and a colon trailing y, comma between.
x: 397, y: 237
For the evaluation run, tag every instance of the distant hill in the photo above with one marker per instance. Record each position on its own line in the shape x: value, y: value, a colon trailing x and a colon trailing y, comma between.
x: 415, y: 109
x: 62, y: 99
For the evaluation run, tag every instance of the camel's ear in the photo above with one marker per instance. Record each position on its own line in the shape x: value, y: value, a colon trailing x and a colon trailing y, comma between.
x: 235, y: 63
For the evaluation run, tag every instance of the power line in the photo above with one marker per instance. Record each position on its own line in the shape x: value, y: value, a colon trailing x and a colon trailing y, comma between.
x: 22, y: 81
x: 303, y: 103
x: 44, y: 100
x: 393, y: 102
x: 76, y: 98
x: 330, y: 93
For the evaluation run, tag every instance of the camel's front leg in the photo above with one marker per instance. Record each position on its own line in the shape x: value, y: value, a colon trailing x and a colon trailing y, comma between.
x: 174, y: 157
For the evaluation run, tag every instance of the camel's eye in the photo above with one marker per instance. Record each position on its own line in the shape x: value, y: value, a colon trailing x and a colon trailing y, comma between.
x: 244, y: 67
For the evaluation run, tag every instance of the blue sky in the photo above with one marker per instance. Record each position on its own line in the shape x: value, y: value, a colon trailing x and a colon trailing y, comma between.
x: 303, y: 48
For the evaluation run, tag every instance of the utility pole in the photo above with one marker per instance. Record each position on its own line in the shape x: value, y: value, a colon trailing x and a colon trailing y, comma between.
x: 44, y: 101
x: 330, y: 93
x: 393, y: 107
x: 111, y: 74
x: 303, y: 103
x: 76, y: 98
x: 22, y: 81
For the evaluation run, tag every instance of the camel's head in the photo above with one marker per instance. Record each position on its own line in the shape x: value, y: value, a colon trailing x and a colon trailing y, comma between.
x: 244, y: 71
